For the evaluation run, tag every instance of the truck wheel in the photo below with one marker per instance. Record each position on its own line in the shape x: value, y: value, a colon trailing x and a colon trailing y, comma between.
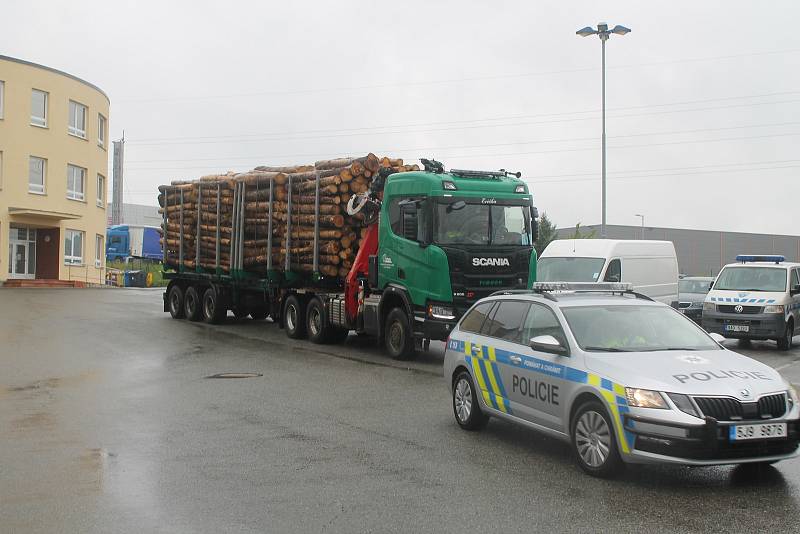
x: 785, y: 343
x: 294, y: 318
x: 466, y: 406
x: 398, y: 336
x: 192, y: 304
x: 594, y: 442
x: 316, y: 322
x: 214, y: 310
x: 175, y: 299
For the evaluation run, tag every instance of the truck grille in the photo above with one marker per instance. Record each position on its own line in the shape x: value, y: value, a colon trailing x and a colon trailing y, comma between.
x: 728, y: 308
x: 728, y: 409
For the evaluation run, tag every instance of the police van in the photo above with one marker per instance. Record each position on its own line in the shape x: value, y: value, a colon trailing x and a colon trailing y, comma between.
x: 756, y: 298
x: 621, y: 377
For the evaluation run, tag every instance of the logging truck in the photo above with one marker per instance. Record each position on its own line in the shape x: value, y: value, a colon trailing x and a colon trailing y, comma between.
x: 428, y: 244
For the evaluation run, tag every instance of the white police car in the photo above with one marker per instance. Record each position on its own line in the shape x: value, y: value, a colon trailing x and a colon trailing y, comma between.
x: 619, y: 376
x: 756, y: 298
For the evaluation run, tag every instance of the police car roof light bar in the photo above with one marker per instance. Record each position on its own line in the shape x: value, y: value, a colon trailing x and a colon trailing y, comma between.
x: 583, y: 286
x: 744, y: 258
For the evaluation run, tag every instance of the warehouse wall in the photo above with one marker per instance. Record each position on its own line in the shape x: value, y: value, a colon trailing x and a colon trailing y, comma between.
x: 704, y: 252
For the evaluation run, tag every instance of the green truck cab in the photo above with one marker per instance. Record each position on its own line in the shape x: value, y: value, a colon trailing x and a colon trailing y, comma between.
x: 445, y: 241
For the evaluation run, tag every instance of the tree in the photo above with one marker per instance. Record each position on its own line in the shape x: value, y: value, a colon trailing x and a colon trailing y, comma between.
x: 578, y: 235
x: 547, y: 233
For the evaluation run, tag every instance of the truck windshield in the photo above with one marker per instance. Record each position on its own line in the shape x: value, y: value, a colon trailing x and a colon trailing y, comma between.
x: 632, y: 328
x: 569, y: 269
x: 752, y: 279
x: 482, y: 224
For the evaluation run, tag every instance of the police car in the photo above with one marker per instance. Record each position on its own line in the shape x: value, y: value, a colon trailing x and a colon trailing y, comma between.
x: 624, y: 379
x: 756, y: 298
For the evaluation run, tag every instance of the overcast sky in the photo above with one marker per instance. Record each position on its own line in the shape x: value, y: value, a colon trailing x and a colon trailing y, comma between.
x: 703, y: 97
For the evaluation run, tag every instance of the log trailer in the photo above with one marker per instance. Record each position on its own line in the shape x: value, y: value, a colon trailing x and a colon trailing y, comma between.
x: 435, y: 243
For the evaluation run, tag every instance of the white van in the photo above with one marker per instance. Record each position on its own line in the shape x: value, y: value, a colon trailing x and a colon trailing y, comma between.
x: 757, y: 298
x: 651, y: 266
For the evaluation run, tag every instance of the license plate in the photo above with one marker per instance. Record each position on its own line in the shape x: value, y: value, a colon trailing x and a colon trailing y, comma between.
x: 759, y: 431
x: 737, y: 327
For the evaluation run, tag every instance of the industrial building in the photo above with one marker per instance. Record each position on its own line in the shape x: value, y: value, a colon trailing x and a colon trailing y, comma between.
x: 53, y: 174
x: 702, y: 252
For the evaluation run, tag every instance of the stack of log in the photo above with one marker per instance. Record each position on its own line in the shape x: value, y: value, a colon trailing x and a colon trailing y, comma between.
x: 250, y: 197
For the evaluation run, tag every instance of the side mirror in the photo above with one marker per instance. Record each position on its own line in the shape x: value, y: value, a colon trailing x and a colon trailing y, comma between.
x: 716, y: 337
x: 549, y: 344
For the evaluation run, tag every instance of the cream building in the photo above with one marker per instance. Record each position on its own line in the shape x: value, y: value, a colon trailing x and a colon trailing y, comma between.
x: 53, y: 174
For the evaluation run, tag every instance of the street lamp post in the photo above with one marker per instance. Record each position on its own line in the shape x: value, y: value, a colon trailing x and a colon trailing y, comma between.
x: 642, y: 217
x: 603, y: 33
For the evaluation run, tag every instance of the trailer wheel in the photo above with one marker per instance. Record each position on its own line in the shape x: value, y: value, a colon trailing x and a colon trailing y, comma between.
x: 294, y: 318
x: 214, y: 310
x: 175, y: 300
x: 192, y: 305
x: 398, y: 336
x: 316, y: 323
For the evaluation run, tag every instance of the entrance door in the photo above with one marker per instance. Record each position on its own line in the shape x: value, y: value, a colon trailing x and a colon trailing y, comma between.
x: 22, y: 253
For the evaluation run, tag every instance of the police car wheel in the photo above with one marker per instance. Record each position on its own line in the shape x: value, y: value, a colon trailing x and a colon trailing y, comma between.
x: 175, y: 300
x: 398, y: 337
x: 593, y: 441
x: 466, y: 407
x: 294, y: 318
x: 192, y: 305
x: 785, y: 343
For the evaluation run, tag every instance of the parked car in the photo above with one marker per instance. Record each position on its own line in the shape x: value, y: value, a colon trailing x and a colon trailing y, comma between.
x: 692, y: 291
x: 650, y: 266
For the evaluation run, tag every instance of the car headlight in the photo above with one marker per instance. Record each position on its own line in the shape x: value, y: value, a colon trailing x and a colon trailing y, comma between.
x: 776, y: 308
x: 437, y: 311
x: 644, y: 398
x: 709, y: 306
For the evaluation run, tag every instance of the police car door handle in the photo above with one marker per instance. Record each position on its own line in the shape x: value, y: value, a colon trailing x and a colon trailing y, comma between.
x: 515, y: 359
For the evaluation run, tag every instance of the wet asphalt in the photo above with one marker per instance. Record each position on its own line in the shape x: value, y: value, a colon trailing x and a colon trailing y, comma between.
x: 108, y: 424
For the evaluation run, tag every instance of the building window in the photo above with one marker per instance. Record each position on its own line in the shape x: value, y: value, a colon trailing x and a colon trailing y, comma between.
x: 76, y: 182
x: 2, y: 97
x: 39, y: 108
x: 101, y: 191
x: 37, y: 167
x: 101, y: 130
x: 77, y: 119
x: 98, y: 251
x: 73, y: 247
